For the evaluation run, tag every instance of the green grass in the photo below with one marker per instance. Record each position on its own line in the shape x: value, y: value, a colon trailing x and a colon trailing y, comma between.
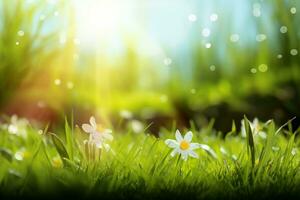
x: 139, y: 166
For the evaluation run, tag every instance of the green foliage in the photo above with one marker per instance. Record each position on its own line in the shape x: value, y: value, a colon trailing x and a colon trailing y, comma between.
x: 60, y: 147
x: 142, y: 163
x: 27, y: 43
x: 6, y: 153
x: 250, y: 140
x: 69, y: 139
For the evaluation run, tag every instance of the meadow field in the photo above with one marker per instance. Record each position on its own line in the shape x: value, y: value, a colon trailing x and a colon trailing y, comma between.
x: 127, y: 99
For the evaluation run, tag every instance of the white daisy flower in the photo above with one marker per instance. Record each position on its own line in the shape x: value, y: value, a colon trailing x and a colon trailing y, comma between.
x: 97, y: 137
x: 255, y: 128
x: 183, y: 145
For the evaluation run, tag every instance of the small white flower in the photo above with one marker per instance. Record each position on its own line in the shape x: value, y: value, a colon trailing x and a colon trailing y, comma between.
x: 255, y: 128
x: 183, y: 145
x: 18, y: 126
x: 97, y: 137
x: 21, y: 154
x: 137, y: 126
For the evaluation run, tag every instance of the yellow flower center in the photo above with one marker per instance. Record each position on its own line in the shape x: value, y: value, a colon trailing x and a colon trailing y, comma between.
x: 184, y: 145
x: 100, y: 128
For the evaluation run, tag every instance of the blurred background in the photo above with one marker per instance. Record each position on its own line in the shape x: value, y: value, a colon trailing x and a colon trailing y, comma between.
x: 150, y: 62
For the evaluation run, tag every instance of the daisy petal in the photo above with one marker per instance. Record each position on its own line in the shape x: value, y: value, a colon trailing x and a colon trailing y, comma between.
x: 184, y: 155
x: 174, y: 152
x: 108, y: 136
x: 98, y: 144
x: 194, y: 146
x: 87, y: 128
x: 93, y: 122
x: 193, y: 154
x: 188, y: 136
x: 178, y: 136
x: 171, y: 143
x: 96, y: 135
x: 106, y: 147
x: 108, y: 131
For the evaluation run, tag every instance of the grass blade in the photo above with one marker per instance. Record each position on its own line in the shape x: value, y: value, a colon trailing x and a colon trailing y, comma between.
x: 60, y: 147
x: 7, y: 154
x: 250, y: 140
x: 69, y: 139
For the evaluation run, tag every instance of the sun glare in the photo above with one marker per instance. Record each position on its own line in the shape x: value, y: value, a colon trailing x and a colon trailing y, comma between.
x: 98, y: 21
